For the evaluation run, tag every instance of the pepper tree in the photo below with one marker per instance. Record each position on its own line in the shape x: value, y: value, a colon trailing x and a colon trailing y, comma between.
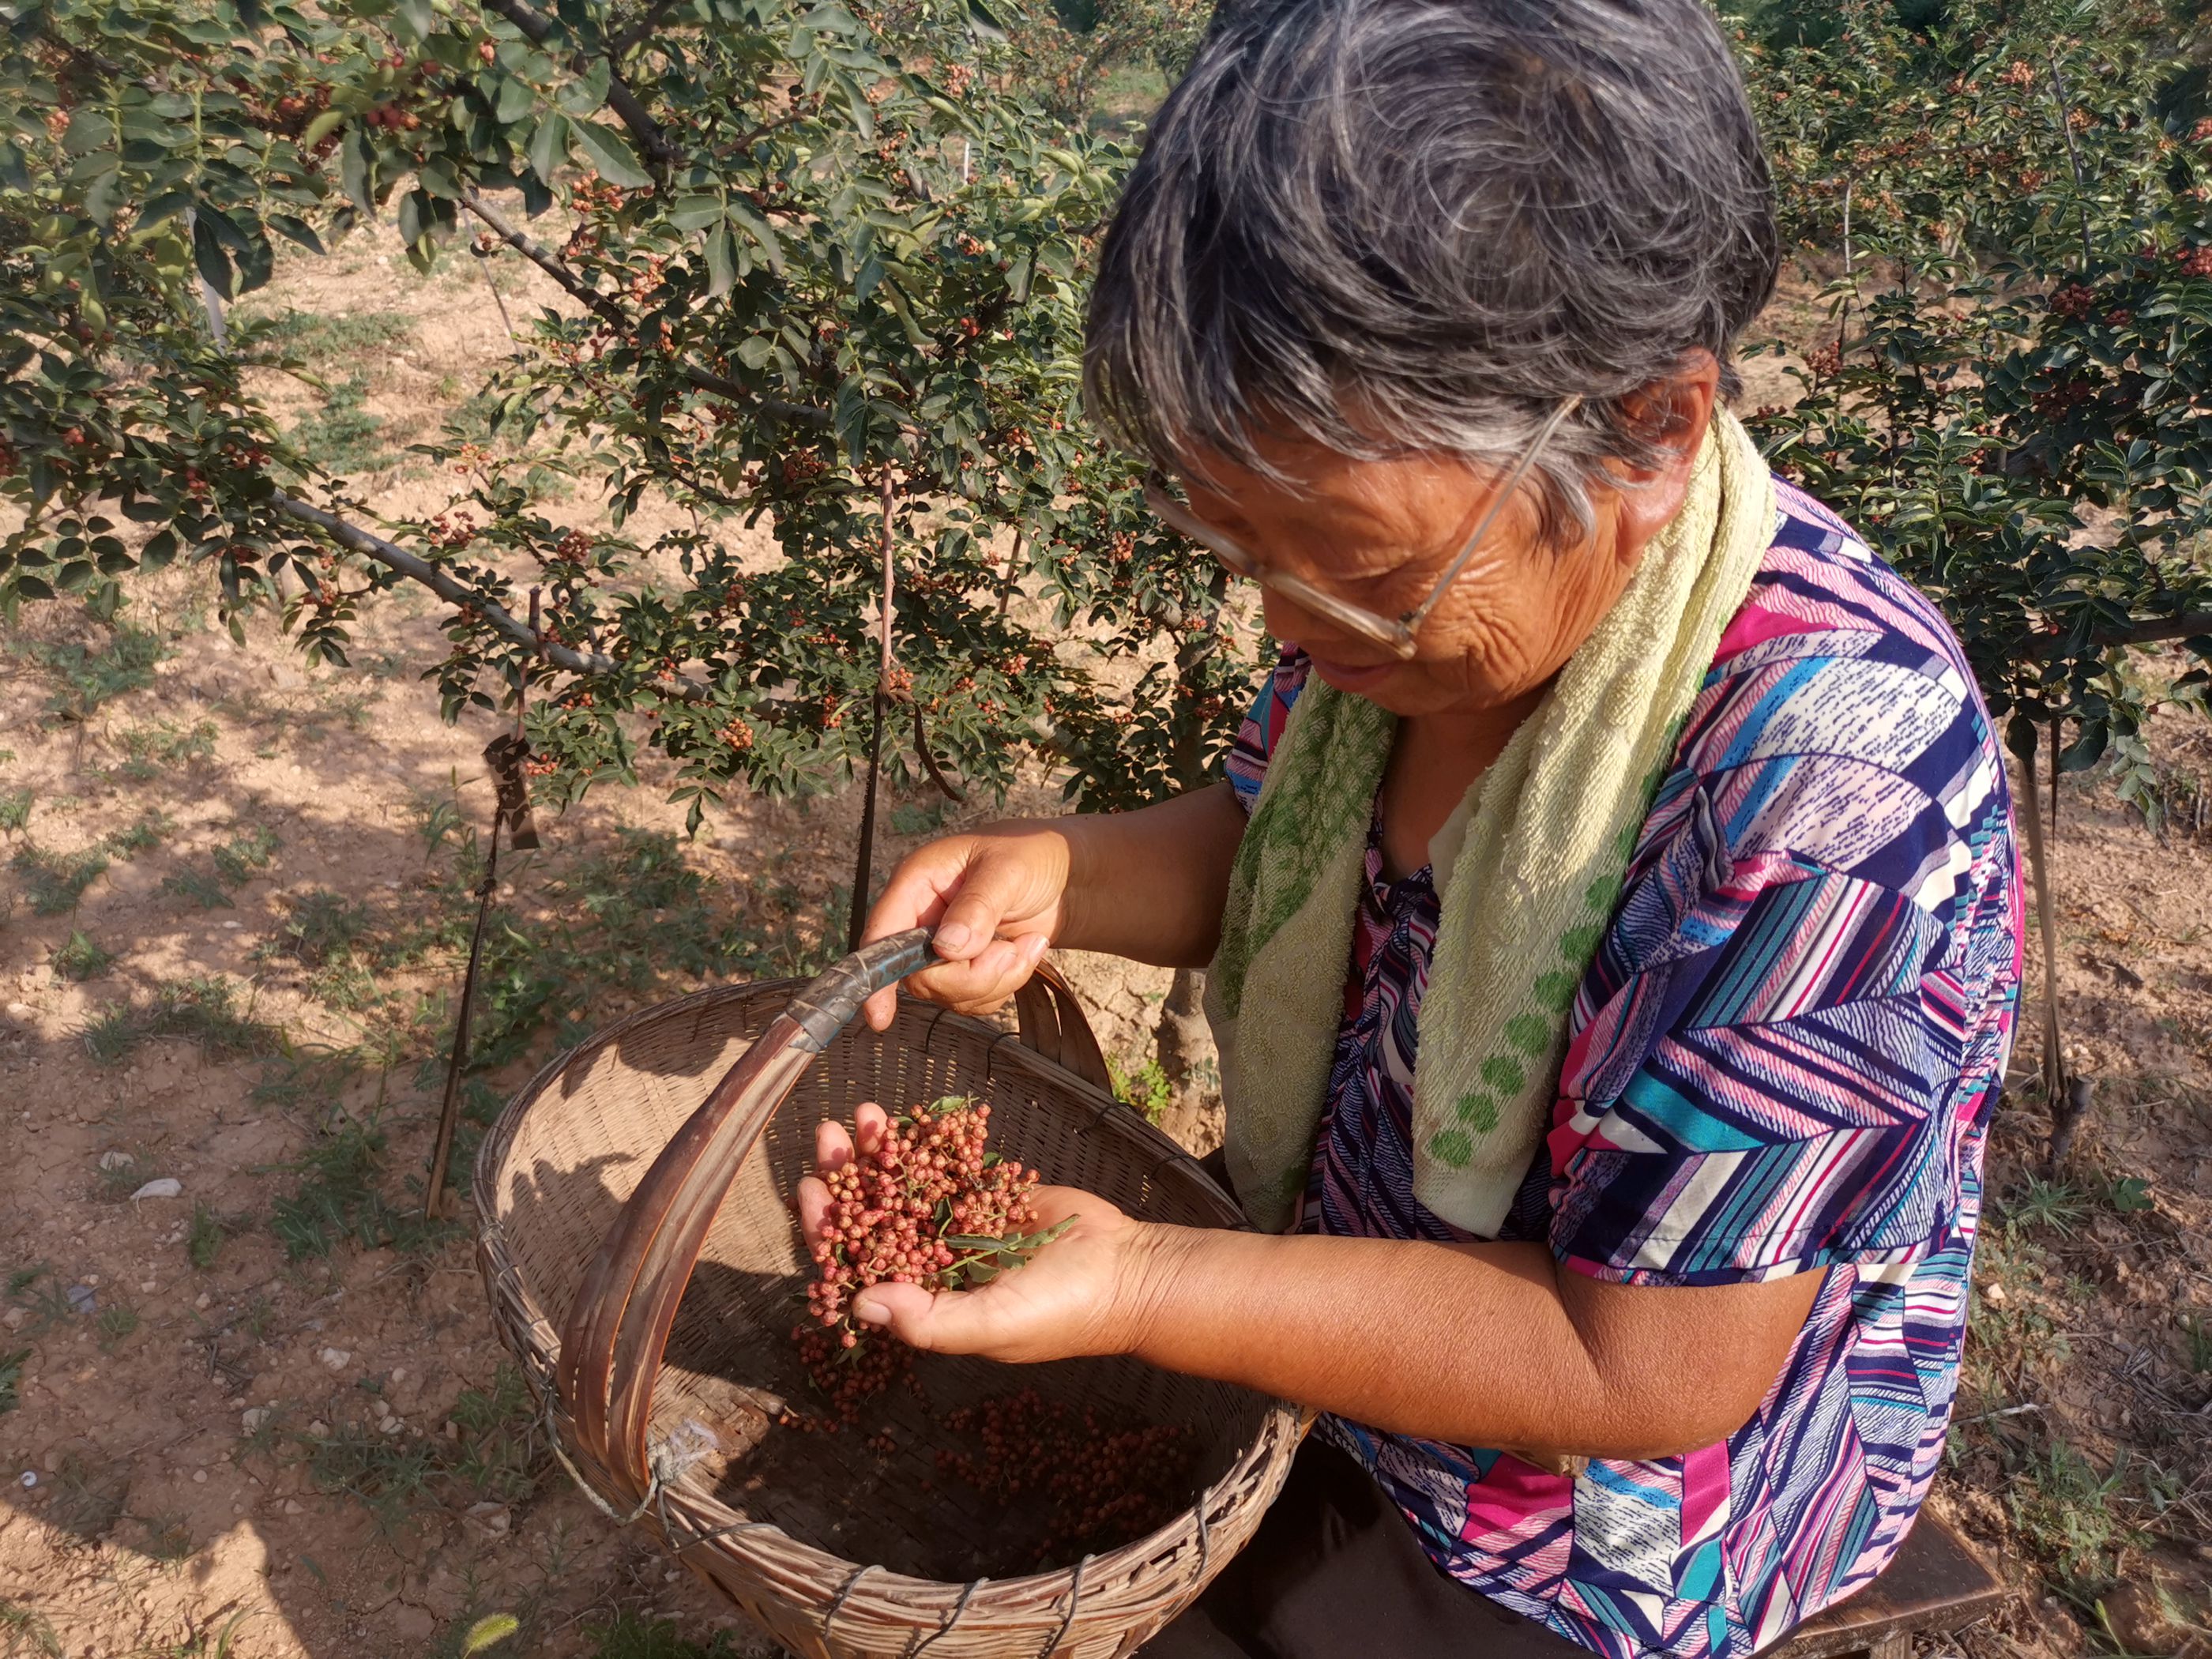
x: 2015, y: 405
x: 823, y: 266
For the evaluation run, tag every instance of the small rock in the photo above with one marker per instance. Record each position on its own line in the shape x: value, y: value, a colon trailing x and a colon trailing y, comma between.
x: 452, y: 1430
x: 318, y: 1429
x: 203, y: 1302
x: 81, y: 1300
x: 294, y: 1506
x: 147, y: 1287
x: 22, y: 1010
x: 199, y: 1477
x: 490, y: 1518
x: 1994, y: 1294
x: 13, y: 1318
x: 113, y: 1160
x: 389, y: 1425
x: 167, y: 1187
x: 335, y: 1359
x: 251, y: 1418
x: 400, y: 1373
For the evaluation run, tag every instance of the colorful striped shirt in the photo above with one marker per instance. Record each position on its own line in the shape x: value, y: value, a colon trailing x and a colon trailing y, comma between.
x: 1783, y: 1057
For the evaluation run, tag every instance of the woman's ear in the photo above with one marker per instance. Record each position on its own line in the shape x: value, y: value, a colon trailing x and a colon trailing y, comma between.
x: 1673, y: 414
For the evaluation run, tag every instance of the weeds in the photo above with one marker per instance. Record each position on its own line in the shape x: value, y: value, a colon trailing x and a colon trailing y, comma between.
x: 437, y: 818
x: 341, y: 1196
x: 237, y: 862
x: 2052, y: 1204
x: 81, y: 959
x: 122, y: 1174
x: 324, y: 927
x: 2069, y: 1514
x: 142, y: 836
x: 55, y: 883
x: 1146, y: 1089
x: 84, y: 680
x: 311, y: 336
x: 204, y: 1239
x: 2198, y: 1334
x: 168, y: 1536
x: 203, y: 1009
x: 115, y: 1323
x: 499, y: 1453
x: 634, y: 1637
x: 343, y: 436
x: 15, y: 809
x: 11, y: 1378
x: 149, y: 749
x: 27, y: 1632
x: 89, y: 1496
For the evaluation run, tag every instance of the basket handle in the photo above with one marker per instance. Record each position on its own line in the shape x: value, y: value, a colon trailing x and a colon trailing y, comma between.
x: 618, y: 1326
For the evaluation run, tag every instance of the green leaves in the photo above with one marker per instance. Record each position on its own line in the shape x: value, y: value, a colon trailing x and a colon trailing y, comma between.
x: 610, y: 153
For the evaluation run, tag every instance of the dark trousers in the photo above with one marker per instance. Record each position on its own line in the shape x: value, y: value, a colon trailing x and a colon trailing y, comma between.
x: 1335, y: 1572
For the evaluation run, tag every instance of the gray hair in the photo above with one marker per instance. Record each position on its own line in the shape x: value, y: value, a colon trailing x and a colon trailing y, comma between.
x: 1386, y: 226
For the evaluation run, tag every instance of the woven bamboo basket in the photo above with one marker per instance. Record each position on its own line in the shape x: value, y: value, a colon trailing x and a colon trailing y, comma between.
x: 646, y: 1272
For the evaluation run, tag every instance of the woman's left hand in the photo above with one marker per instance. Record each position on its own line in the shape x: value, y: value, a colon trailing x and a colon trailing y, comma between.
x: 1071, y: 1298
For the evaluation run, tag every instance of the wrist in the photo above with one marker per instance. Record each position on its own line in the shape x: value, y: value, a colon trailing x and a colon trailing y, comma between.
x: 1151, y: 1271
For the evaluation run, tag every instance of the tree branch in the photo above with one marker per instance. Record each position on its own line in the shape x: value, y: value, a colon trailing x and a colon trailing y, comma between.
x: 607, y: 310
x: 415, y: 568
x: 2164, y: 628
x: 620, y: 99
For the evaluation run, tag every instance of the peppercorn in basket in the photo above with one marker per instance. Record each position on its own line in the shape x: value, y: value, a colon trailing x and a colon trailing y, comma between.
x: 648, y: 1273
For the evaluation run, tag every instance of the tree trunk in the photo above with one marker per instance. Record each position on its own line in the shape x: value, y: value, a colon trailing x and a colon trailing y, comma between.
x: 1185, y: 1043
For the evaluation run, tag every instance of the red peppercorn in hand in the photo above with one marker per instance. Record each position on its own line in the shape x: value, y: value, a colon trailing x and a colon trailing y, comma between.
x: 1067, y: 1300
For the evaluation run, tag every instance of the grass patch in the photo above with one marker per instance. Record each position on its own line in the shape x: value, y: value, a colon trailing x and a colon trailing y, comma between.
x: 55, y: 883
x: 81, y: 958
x: 167, y: 1536
x: 89, y: 1496
x: 498, y: 1453
x: 204, y: 1239
x: 1145, y: 1090
x: 150, y: 749
x: 28, y: 1633
x: 116, y: 1323
x: 2070, y: 1517
x: 325, y: 928
x: 341, y: 1196
x: 343, y: 436
x: 143, y: 835
x: 237, y: 862
x: 123, y: 1174
x: 11, y: 1378
x: 311, y: 335
x: 203, y: 1009
x: 2057, y: 1205
x: 84, y: 679
x: 15, y: 809
x: 632, y: 1635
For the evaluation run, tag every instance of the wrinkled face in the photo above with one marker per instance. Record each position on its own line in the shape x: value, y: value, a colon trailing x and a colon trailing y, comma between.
x: 1377, y: 534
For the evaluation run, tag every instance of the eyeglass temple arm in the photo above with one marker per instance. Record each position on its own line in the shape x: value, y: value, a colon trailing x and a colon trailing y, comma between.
x: 1414, y: 617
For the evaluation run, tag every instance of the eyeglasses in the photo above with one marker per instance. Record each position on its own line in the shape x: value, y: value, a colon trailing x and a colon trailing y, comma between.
x: 1396, y: 636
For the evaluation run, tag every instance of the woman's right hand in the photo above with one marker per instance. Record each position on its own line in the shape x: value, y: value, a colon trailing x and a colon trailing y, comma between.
x: 996, y: 900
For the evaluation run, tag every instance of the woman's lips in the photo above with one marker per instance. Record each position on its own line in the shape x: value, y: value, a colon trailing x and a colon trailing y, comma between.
x: 1352, y: 677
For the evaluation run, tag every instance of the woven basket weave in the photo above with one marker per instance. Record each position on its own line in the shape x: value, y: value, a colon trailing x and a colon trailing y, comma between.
x: 607, y: 1187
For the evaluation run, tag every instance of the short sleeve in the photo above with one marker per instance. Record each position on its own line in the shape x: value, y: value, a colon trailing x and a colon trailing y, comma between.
x: 1256, y: 737
x: 1790, y: 1029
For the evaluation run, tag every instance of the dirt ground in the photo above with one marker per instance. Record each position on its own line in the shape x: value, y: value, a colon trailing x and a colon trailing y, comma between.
x: 261, y: 1411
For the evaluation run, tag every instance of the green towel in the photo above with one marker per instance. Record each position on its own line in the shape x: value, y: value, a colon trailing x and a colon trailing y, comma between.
x: 1527, y: 870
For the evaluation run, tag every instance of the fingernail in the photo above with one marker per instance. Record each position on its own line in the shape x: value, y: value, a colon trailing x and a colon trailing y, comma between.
x: 870, y: 1312
x: 1034, y: 948
x: 953, y: 936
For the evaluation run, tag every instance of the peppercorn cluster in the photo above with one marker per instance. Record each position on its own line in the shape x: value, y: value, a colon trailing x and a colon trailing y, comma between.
x: 1105, y: 1482
x: 929, y: 1204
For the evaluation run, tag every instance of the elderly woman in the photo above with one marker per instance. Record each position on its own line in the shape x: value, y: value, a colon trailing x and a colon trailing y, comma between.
x: 1612, y: 909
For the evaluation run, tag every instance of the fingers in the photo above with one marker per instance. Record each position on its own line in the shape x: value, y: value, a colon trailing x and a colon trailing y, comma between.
x: 913, y: 897
x: 937, y: 1322
x: 834, y: 1147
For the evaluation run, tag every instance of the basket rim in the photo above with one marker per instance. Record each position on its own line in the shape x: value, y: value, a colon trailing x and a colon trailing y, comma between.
x: 764, y: 1543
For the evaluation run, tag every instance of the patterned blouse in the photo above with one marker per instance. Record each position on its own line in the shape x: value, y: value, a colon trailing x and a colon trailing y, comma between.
x: 1783, y: 1057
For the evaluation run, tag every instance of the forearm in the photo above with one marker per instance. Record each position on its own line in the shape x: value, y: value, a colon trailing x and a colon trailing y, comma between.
x: 1151, y: 885
x: 1475, y: 1345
